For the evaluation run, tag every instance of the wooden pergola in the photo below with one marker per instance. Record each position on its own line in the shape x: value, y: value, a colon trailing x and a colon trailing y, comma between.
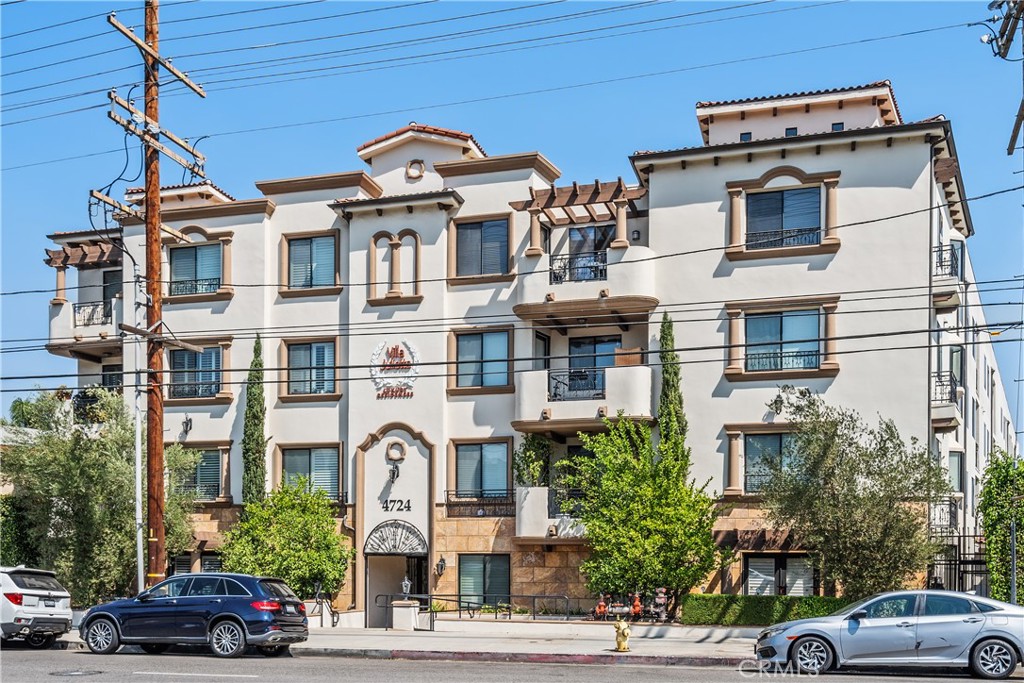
x: 81, y: 254
x: 580, y: 204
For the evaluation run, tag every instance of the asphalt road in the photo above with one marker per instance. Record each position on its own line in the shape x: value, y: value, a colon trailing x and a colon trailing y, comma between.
x: 27, y: 666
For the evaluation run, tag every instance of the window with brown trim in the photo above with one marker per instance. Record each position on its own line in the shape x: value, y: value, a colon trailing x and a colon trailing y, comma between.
x: 480, y: 249
x: 309, y: 264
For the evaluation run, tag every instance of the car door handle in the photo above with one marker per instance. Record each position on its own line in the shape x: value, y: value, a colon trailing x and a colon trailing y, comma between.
x: 905, y: 624
x: 216, y: 600
x: 973, y: 620
x: 172, y: 602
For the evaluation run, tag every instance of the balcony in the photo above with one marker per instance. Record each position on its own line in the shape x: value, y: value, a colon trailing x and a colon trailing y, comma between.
x: 783, y: 360
x: 539, y: 516
x: 86, y: 331
x: 193, y: 389
x: 946, y: 272
x: 190, y: 287
x: 559, y: 289
x: 568, y: 400
x: 946, y: 398
x: 776, y: 239
x: 945, y: 516
x: 480, y: 503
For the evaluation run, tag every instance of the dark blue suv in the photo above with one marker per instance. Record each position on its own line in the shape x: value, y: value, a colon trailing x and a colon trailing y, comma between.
x: 225, y: 611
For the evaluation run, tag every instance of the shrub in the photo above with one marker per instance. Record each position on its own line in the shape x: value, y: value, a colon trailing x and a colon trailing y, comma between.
x: 752, y: 610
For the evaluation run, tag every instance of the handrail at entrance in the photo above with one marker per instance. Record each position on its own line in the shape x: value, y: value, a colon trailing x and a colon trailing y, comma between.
x: 473, y: 603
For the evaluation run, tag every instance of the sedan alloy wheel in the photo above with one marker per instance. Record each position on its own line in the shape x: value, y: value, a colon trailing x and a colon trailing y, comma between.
x: 993, y: 659
x: 812, y: 656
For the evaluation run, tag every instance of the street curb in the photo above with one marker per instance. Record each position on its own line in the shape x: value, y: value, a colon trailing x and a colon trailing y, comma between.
x: 520, y: 657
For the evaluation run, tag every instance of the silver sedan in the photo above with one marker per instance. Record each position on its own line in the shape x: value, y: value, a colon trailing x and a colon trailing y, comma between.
x: 902, y: 629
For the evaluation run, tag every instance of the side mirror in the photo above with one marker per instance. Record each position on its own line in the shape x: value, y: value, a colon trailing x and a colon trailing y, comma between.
x: 144, y: 596
x: 859, y: 614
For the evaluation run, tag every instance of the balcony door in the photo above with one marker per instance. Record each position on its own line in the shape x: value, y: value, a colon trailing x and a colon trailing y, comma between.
x: 588, y: 357
x: 588, y: 246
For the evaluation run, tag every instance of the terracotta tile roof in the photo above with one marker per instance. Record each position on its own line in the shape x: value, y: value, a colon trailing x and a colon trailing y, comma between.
x: 805, y: 93
x: 422, y: 128
x: 140, y: 190
x: 392, y: 198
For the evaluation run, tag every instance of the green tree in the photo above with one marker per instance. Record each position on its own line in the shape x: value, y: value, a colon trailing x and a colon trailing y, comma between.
x: 856, y: 497
x: 671, y: 418
x: 290, y: 534
x: 648, y: 524
x: 254, y: 441
x: 74, y: 493
x: 1003, y: 481
x: 532, y: 460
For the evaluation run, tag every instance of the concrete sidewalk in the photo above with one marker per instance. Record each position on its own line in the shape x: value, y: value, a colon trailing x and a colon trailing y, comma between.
x: 542, y: 642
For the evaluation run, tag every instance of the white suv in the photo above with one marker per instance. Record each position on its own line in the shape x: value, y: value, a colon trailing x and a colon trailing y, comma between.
x: 34, y: 606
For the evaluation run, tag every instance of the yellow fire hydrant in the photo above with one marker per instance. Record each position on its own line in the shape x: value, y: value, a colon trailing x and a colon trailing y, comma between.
x: 621, y: 635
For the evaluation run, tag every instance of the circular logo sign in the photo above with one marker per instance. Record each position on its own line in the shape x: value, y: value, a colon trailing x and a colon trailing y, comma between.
x: 393, y: 369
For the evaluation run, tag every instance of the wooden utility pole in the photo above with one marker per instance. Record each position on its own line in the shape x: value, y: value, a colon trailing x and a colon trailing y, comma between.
x: 146, y: 126
x: 157, y: 563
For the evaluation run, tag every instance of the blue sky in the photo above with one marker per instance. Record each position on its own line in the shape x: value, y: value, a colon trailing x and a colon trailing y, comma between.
x: 589, y: 106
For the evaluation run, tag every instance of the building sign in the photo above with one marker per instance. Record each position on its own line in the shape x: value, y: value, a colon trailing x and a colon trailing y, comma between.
x: 393, y: 369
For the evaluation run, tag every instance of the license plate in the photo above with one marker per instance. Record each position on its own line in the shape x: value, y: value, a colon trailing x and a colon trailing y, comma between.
x: 49, y: 603
x: 289, y: 609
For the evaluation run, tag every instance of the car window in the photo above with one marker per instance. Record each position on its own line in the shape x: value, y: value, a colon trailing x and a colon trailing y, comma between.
x: 278, y: 589
x: 985, y: 607
x: 206, y: 585
x: 171, y: 588
x: 235, y: 588
x: 898, y: 606
x: 939, y: 605
x: 34, y: 581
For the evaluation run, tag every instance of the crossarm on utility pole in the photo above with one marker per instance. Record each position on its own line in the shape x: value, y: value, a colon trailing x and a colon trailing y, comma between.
x: 149, y: 139
x: 139, y: 116
x: 153, y: 54
x: 125, y: 209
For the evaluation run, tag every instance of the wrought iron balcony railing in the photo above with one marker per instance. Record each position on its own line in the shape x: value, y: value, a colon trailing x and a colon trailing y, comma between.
x: 193, y: 389
x: 576, y: 384
x: 945, y: 515
x: 481, y: 503
x: 783, y: 360
x: 795, y: 237
x: 754, y: 482
x: 563, y: 501
x: 947, y: 262
x: 582, y: 267
x: 94, y: 313
x: 183, y: 287
x: 944, y: 387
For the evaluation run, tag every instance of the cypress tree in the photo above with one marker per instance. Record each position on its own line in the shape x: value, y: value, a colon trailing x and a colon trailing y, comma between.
x: 254, y: 442
x: 671, y: 418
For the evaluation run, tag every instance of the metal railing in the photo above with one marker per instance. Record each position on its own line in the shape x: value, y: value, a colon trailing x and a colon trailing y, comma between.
x: 193, y: 389
x: 183, y: 287
x: 481, y: 503
x: 783, y: 360
x: 94, y: 313
x: 944, y: 387
x: 502, y: 605
x: 585, y: 266
x: 576, y: 384
x: 754, y: 482
x: 947, y: 262
x: 945, y: 515
x: 795, y: 237
x: 556, y: 498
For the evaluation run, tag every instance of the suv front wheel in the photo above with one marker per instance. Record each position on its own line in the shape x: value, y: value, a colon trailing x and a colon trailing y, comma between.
x: 102, y: 638
x: 227, y: 639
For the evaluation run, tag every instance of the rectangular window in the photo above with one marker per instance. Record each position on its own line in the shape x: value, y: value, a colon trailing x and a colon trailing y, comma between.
x: 745, y: 137
x: 195, y: 270
x: 112, y: 284
x: 838, y: 127
x: 956, y: 471
x: 112, y: 376
x: 484, y: 579
x: 588, y: 255
x: 481, y: 470
x: 791, y: 132
x: 182, y: 564
x: 481, y: 248
x: 311, y: 262
x: 195, y: 375
x: 205, y: 481
x: 210, y: 562
x: 311, y: 368
x: 482, y: 359
x: 318, y: 465
x: 784, y: 218
x: 778, y: 575
x: 541, y: 351
x: 783, y: 341
x: 762, y: 452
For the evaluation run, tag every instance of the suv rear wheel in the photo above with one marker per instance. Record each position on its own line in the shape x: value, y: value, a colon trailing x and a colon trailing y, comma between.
x: 102, y: 638
x: 227, y: 639
x: 41, y: 641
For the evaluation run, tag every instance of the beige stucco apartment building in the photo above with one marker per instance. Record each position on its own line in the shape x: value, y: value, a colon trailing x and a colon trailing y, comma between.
x: 421, y: 314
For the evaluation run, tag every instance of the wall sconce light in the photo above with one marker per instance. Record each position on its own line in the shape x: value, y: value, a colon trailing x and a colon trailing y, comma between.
x: 186, y: 424
x: 393, y: 473
x: 636, y: 235
x: 441, y: 566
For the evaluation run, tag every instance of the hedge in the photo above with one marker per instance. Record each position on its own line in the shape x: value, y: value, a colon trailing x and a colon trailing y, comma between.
x: 752, y: 610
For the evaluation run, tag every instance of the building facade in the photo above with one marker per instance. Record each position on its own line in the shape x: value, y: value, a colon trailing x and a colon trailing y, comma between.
x: 421, y: 316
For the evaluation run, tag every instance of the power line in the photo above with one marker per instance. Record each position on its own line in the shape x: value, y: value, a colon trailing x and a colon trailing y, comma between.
x: 86, y: 18
x: 514, y: 371
x: 644, y: 259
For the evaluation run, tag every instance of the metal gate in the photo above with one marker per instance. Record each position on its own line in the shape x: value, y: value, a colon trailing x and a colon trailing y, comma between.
x: 960, y: 564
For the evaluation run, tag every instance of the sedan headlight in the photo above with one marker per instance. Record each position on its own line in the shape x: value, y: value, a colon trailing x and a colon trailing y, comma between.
x: 771, y: 632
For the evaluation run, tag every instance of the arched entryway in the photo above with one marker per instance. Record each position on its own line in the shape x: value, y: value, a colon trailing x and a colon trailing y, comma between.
x: 394, y: 550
